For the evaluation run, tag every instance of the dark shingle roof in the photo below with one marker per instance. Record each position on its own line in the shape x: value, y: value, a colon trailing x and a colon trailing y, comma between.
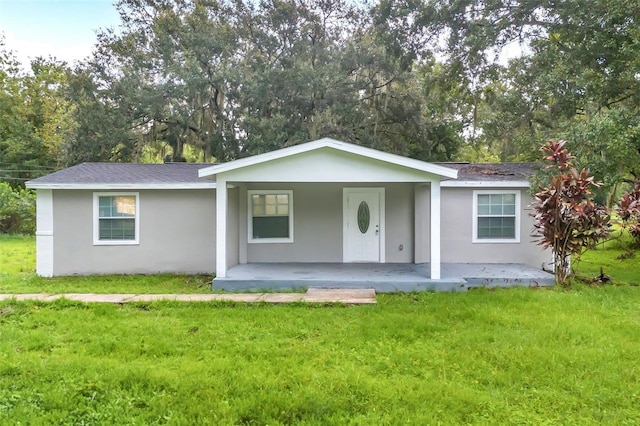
x: 125, y: 173
x: 493, y: 172
x: 187, y: 173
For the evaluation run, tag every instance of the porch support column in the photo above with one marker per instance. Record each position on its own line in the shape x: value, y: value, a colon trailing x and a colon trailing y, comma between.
x: 221, y: 227
x: 44, y: 232
x: 435, y: 229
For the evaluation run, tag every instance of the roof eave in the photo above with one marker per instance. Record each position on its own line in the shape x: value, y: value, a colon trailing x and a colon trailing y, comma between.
x: 118, y: 186
x: 486, y: 184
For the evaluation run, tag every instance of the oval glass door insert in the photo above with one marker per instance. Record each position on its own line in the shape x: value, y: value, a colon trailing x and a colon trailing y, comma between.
x: 363, y: 217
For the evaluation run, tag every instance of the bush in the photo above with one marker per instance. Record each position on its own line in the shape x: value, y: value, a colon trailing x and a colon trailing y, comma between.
x: 628, y: 209
x: 17, y: 210
x: 567, y: 220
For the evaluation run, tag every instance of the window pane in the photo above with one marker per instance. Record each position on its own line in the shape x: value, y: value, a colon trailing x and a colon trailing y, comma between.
x: 117, y: 206
x: 258, y: 210
x: 509, y: 199
x: 271, y: 227
x: 496, y: 205
x: 483, y: 205
x: 484, y: 233
x: 128, y: 230
x: 496, y: 227
x: 117, y: 229
x: 270, y: 205
x: 125, y: 206
x: 104, y: 204
x: 508, y: 232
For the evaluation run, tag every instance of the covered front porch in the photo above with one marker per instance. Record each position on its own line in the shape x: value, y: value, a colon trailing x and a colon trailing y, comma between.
x: 383, y: 277
x: 326, y: 202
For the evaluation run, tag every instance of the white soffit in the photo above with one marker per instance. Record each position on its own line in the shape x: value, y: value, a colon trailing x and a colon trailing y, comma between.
x: 485, y: 184
x: 110, y: 186
x: 357, y: 150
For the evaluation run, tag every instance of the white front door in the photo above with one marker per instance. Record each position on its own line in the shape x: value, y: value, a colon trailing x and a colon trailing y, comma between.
x: 363, y: 225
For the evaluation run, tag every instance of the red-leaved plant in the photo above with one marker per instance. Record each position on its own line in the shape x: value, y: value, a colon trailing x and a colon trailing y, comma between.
x: 567, y: 220
x: 628, y: 209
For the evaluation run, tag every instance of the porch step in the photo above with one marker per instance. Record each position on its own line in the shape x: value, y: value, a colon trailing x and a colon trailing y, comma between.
x: 381, y: 286
x: 381, y: 277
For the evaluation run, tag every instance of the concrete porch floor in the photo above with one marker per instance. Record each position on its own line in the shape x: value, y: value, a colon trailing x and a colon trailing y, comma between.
x: 383, y: 277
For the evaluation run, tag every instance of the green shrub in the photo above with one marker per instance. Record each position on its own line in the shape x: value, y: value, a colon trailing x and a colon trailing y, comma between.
x: 628, y: 210
x: 17, y: 210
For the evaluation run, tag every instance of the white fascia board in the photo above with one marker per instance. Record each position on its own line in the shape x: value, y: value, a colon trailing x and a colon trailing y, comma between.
x: 118, y: 186
x: 485, y: 184
x: 331, y: 143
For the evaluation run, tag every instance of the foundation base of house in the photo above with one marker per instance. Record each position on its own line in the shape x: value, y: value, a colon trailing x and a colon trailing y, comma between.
x: 382, y: 277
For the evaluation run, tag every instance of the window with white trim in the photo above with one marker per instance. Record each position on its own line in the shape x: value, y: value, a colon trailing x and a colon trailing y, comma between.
x: 270, y: 216
x: 496, y: 216
x: 116, y: 218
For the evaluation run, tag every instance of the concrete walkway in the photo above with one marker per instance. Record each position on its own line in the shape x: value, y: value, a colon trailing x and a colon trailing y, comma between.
x: 313, y: 295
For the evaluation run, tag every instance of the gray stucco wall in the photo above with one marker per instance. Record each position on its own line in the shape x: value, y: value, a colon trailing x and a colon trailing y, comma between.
x: 177, y: 235
x: 457, y: 223
x: 318, y: 224
x: 399, y: 223
x: 177, y: 230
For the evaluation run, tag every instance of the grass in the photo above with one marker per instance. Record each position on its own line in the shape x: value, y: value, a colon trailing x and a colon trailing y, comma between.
x: 516, y: 356
x: 17, y: 255
x: 508, y: 356
x: 615, y: 259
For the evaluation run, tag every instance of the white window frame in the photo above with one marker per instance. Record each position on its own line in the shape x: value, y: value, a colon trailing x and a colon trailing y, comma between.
x: 96, y: 220
x: 250, y: 194
x: 518, y: 214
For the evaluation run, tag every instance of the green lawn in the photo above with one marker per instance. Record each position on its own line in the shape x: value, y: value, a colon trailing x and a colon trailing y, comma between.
x: 509, y: 356
x: 613, y: 258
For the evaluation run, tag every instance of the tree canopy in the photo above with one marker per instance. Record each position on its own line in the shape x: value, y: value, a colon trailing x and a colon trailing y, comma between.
x: 226, y: 80
x: 430, y: 79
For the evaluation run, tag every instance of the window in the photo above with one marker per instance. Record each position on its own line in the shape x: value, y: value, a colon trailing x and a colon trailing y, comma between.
x: 496, y: 216
x: 270, y: 216
x: 115, y: 218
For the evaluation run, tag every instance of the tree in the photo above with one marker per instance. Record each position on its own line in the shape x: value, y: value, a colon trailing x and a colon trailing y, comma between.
x: 232, y: 79
x: 567, y: 220
x: 17, y: 210
x: 35, y: 117
x: 628, y: 212
x: 575, y: 76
